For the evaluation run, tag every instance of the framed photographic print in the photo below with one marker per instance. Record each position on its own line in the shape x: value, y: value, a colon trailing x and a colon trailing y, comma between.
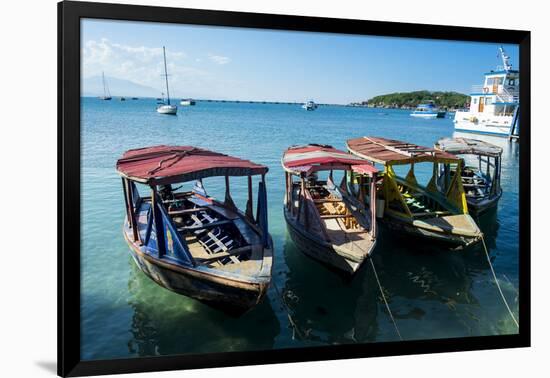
x: 240, y: 188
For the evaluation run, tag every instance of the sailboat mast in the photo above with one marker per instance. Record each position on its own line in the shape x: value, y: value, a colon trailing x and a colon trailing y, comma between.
x: 166, y: 76
x: 103, y: 78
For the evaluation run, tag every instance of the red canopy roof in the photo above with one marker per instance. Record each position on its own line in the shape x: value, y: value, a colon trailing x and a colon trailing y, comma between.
x: 172, y: 164
x: 311, y: 158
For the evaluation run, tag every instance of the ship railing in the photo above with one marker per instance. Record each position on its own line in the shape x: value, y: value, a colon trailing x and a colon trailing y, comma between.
x: 508, y: 96
x: 504, y: 94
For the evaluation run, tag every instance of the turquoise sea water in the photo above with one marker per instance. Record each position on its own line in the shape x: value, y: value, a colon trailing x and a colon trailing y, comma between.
x: 433, y: 293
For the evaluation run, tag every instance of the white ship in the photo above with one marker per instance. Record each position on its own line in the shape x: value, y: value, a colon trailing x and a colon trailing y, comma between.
x: 494, y: 106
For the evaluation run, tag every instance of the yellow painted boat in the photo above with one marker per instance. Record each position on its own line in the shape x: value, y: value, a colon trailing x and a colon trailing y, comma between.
x: 437, y: 211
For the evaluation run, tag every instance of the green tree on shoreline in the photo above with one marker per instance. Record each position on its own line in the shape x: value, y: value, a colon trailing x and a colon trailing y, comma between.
x: 448, y: 100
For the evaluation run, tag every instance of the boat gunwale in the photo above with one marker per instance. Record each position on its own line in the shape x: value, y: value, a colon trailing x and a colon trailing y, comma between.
x: 340, y: 251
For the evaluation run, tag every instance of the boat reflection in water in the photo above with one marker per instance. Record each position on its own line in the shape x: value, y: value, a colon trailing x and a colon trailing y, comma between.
x: 423, y: 288
x: 327, y: 307
x: 165, y: 323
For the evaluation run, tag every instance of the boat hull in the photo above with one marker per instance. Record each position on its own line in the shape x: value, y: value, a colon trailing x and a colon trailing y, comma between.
x: 167, y: 109
x: 480, y: 207
x: 481, y: 124
x: 456, y: 240
x: 232, y: 296
x: 320, y: 250
x: 429, y: 115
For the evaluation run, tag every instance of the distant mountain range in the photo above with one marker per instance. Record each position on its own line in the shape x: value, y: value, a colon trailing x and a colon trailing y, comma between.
x: 93, y: 86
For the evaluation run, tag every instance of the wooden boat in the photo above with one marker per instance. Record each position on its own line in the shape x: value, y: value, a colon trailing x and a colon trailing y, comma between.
x: 189, y: 242
x: 436, y: 212
x: 327, y: 222
x: 481, y: 171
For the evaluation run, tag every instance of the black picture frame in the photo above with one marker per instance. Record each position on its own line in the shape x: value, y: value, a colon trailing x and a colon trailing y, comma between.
x: 69, y: 16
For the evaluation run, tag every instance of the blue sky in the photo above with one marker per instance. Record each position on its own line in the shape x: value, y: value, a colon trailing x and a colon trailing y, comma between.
x: 253, y: 64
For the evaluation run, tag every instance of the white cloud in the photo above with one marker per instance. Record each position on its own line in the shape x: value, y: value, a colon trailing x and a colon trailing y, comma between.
x: 144, y: 65
x: 219, y: 59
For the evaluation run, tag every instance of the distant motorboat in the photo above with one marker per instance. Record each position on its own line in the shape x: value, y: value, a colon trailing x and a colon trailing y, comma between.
x: 309, y: 106
x: 122, y: 99
x: 166, y: 108
x: 134, y: 98
x: 106, y: 93
x: 428, y: 110
x: 187, y: 102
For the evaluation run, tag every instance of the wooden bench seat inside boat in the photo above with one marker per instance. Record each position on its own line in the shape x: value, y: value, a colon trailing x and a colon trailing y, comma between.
x: 209, y: 235
x: 204, y: 226
x: 335, y: 209
x: 185, y: 211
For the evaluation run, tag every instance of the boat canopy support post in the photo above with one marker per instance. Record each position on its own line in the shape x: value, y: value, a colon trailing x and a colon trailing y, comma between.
x: 131, y: 210
x: 249, y: 203
x: 125, y: 197
x: 261, y: 212
x: 300, y: 199
x: 228, y: 200
x: 157, y: 219
x: 288, y: 188
x: 373, y: 206
x: 302, y: 203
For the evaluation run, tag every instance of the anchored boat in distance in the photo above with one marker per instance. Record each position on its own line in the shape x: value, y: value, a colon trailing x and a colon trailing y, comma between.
x: 166, y: 107
x: 309, y: 106
x: 428, y: 110
x: 327, y: 222
x: 188, y: 241
x: 494, y: 106
x: 106, y: 94
x: 187, y: 102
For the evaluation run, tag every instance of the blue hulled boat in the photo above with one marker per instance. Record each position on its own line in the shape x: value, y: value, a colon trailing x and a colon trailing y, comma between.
x: 189, y: 242
x: 428, y: 110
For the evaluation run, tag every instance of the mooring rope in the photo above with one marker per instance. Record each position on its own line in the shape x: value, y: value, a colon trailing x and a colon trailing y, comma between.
x: 385, y: 301
x: 288, y: 311
x: 496, y: 282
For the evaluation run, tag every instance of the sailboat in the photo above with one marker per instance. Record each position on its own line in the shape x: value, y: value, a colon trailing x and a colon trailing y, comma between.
x: 166, y: 108
x: 106, y: 93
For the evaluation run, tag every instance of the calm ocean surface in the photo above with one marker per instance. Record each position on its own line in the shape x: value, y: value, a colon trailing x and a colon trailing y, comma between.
x: 432, y: 293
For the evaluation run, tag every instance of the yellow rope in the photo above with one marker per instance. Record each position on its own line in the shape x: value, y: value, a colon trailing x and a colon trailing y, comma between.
x: 385, y: 301
x: 496, y: 281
